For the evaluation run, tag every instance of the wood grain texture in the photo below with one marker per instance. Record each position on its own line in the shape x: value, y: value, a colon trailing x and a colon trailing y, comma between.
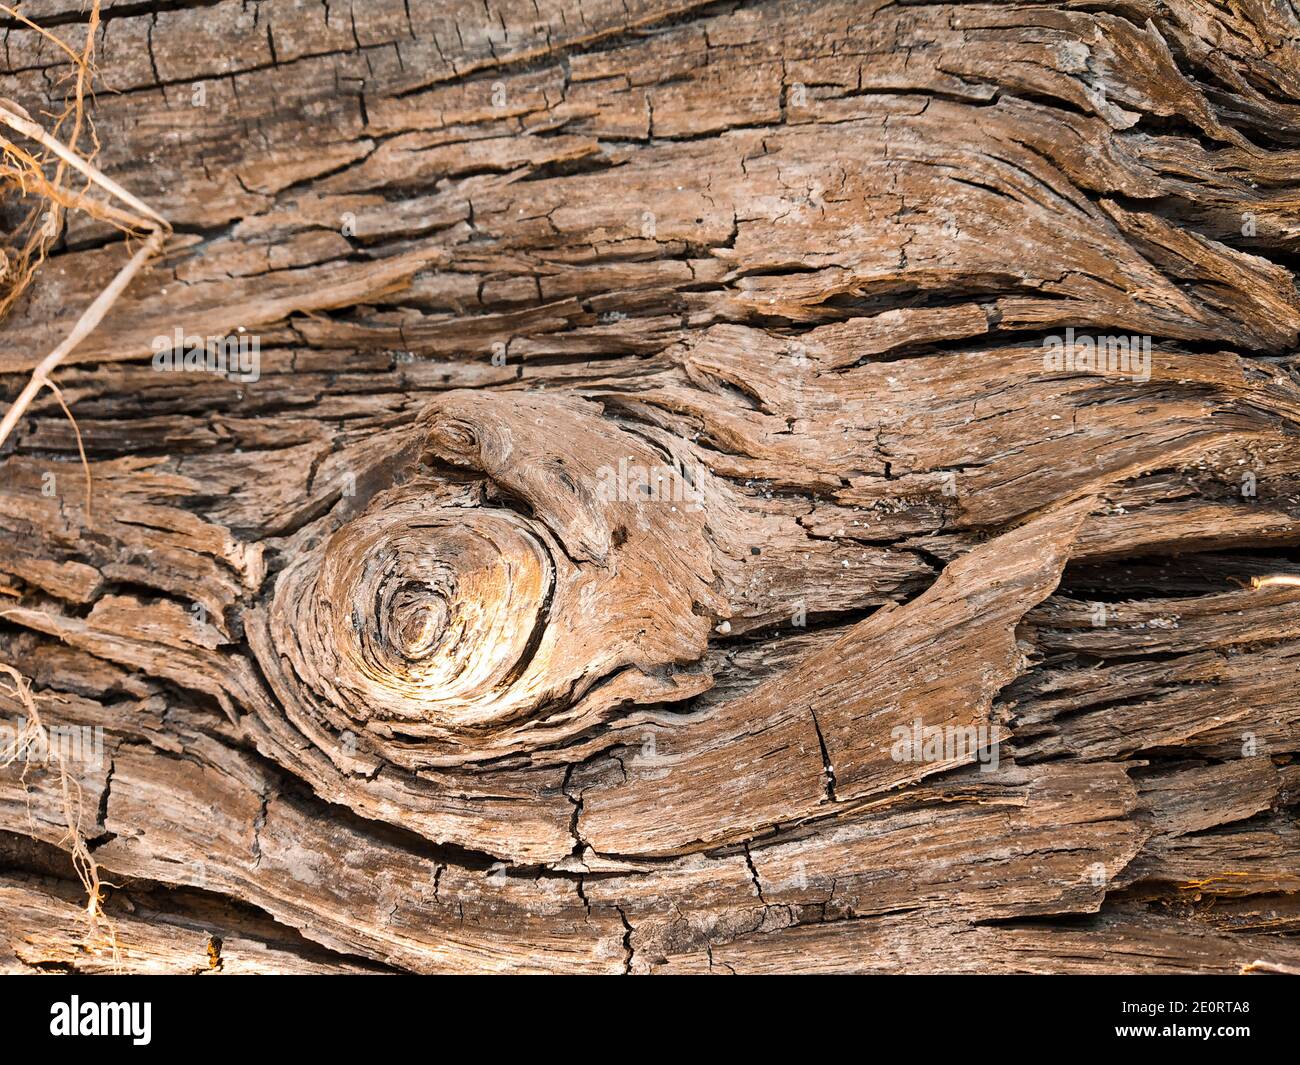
x: 655, y: 425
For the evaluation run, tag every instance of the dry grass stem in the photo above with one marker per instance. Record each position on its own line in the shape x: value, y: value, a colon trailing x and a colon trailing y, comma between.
x: 27, y: 171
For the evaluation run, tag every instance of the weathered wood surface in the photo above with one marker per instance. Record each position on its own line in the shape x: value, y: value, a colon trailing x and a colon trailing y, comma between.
x: 389, y: 682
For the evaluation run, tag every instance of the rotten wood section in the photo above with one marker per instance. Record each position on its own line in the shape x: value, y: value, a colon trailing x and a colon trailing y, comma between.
x: 654, y: 534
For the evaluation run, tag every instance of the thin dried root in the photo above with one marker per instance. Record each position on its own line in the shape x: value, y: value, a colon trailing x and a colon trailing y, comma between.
x: 101, y: 933
x: 25, y: 169
x: 43, y: 227
x: 81, y: 448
